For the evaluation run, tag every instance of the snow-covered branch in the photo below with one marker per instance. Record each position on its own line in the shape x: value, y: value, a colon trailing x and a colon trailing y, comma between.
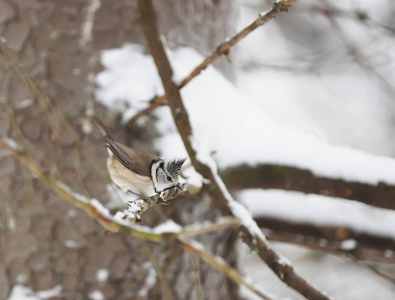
x: 270, y: 176
x: 249, y: 230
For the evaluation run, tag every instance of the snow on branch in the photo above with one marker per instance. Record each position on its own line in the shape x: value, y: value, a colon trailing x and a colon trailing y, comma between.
x: 249, y: 230
x: 292, y: 178
x: 222, y: 49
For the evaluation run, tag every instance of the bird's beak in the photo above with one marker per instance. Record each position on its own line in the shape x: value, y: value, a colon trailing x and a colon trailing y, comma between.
x: 178, y: 187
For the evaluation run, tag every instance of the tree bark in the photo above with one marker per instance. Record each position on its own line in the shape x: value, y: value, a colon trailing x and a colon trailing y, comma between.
x: 44, y: 241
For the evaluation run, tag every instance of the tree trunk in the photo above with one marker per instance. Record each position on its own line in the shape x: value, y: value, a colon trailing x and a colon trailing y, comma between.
x: 44, y: 241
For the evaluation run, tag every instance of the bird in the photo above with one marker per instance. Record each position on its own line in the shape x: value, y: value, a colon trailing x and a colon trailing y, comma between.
x: 139, y: 172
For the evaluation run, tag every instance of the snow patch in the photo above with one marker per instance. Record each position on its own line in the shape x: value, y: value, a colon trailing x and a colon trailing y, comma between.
x: 102, y: 275
x: 167, y: 227
x: 100, y: 207
x: 21, y: 292
x: 319, y: 210
x: 96, y: 295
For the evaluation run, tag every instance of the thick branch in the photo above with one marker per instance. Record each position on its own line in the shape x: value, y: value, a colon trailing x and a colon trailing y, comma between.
x: 294, y: 179
x: 221, y: 198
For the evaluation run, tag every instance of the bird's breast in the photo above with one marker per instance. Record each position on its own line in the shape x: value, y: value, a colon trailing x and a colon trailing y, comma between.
x: 128, y: 180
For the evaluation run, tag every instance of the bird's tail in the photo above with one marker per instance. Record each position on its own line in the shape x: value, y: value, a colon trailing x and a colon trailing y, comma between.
x: 103, y: 128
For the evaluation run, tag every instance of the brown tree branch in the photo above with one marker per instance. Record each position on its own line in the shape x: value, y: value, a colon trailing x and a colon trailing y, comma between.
x: 249, y: 231
x: 269, y: 176
x: 222, y: 49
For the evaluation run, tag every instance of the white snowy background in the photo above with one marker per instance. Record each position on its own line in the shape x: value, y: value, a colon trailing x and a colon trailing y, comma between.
x: 301, y: 73
x: 300, y: 100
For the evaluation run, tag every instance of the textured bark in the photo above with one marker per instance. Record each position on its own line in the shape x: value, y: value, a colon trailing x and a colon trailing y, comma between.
x: 44, y: 241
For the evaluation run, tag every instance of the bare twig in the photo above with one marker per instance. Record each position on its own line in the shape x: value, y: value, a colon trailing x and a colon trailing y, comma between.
x: 222, y: 49
x: 167, y: 290
x: 206, y: 227
x: 87, y: 27
x: 249, y: 230
x: 358, y: 56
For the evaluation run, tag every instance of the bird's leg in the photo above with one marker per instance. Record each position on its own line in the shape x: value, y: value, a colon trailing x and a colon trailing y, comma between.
x: 161, y: 199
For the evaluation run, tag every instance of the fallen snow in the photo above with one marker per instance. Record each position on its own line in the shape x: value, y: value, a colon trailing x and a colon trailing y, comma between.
x: 102, y: 275
x: 137, y: 70
x: 96, y: 295
x: 167, y: 227
x: 47, y: 294
x: 21, y: 292
x: 319, y: 210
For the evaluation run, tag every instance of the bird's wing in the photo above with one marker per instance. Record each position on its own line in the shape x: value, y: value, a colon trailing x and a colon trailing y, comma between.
x: 133, y: 159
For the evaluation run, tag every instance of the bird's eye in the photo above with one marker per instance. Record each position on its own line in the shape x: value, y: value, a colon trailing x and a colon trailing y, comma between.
x: 168, y: 178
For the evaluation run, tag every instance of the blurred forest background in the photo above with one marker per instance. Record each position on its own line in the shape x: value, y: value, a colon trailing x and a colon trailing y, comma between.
x: 323, y: 67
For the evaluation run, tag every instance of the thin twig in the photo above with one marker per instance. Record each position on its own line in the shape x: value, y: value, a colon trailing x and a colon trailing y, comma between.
x: 222, y: 49
x: 206, y: 227
x: 167, y: 291
x: 358, y: 56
